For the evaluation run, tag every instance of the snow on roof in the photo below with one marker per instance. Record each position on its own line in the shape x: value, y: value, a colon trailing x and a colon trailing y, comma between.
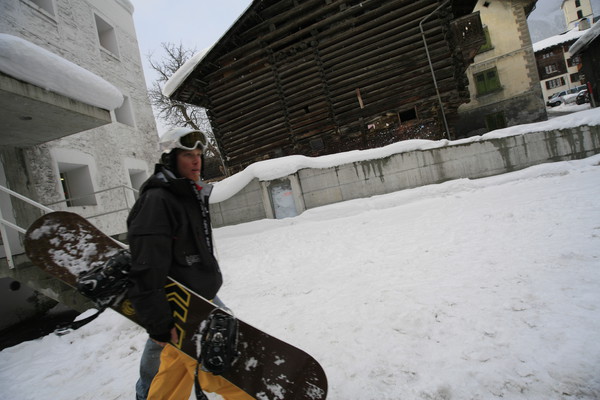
x: 186, y: 69
x: 555, y: 40
x: 586, y: 39
x: 30, y: 63
x: 183, y: 72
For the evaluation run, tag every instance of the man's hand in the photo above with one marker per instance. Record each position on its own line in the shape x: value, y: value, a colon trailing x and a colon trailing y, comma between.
x: 174, y: 338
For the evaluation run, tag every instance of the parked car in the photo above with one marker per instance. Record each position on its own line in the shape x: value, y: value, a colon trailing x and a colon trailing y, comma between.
x: 565, y: 96
x: 582, y: 97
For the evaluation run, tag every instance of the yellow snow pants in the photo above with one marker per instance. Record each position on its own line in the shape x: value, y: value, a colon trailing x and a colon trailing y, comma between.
x: 175, y: 379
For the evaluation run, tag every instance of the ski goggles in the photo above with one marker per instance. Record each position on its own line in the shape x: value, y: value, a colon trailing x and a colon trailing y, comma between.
x: 191, y: 141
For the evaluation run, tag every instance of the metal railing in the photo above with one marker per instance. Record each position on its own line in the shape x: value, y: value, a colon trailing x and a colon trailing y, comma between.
x: 124, y: 188
x: 4, y: 223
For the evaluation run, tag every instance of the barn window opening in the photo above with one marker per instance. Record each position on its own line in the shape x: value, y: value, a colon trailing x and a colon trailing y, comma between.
x: 317, y: 144
x: 407, y: 115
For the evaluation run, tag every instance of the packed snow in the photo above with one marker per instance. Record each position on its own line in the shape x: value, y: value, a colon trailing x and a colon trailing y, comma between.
x: 470, y: 289
x: 30, y: 63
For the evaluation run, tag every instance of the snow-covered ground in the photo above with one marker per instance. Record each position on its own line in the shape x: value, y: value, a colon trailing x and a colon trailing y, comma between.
x: 470, y: 289
x: 563, y: 109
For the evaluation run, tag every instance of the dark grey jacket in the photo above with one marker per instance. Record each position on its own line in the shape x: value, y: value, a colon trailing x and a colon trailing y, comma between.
x: 166, y: 234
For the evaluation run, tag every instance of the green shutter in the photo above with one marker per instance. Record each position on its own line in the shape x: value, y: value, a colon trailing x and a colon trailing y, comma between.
x: 488, y: 42
x: 487, y: 81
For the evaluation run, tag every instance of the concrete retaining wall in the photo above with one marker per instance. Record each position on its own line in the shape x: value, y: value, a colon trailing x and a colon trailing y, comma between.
x: 461, y: 159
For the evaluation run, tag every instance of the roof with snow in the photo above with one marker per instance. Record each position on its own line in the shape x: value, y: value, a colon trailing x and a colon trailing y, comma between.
x: 556, y: 40
x: 182, y: 73
x: 588, y: 37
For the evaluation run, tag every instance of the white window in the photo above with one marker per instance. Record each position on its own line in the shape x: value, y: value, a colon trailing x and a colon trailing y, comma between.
x: 107, y: 36
x: 551, y: 68
x: 124, y: 114
x: 137, y: 177
x: 554, y: 83
x: 138, y: 173
x: 75, y: 172
x: 76, y: 183
x: 45, y: 5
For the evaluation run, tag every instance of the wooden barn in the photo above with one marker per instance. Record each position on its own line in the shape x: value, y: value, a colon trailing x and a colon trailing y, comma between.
x: 316, y: 77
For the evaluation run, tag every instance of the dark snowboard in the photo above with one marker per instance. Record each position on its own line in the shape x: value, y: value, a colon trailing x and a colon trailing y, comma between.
x: 65, y: 244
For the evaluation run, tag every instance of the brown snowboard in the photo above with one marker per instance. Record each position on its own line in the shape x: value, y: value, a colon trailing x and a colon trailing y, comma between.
x: 66, y: 244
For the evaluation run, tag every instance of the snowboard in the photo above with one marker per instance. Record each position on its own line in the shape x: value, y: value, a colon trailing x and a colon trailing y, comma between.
x: 65, y: 244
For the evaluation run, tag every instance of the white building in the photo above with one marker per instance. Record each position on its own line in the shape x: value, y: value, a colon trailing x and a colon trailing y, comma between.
x: 575, y: 11
x: 80, y: 170
x: 76, y: 127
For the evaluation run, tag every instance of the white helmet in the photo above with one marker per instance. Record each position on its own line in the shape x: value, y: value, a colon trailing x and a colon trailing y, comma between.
x: 182, y: 138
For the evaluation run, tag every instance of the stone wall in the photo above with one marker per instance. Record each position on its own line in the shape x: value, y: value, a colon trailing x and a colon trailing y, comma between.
x: 459, y: 159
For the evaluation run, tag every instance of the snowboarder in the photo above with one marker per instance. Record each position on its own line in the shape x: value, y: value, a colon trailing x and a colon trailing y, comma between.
x: 169, y: 233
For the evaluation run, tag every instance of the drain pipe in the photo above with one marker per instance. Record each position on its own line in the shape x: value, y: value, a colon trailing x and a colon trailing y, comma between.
x: 437, y: 90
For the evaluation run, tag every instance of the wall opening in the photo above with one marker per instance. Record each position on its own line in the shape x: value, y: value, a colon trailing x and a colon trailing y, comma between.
x: 46, y: 5
x: 495, y: 121
x: 107, y: 36
x: 76, y: 183
x: 282, y: 199
x: 137, y: 178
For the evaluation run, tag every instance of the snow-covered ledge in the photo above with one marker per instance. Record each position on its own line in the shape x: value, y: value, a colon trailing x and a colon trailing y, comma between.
x: 30, y: 63
x: 324, y: 180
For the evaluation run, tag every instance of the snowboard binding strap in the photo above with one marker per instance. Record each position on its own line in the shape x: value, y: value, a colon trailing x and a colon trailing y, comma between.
x: 106, y: 284
x: 218, y: 346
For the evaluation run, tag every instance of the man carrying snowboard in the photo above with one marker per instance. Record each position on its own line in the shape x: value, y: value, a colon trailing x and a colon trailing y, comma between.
x: 170, y: 234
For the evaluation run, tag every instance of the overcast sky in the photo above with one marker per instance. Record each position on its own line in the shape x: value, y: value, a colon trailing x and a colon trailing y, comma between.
x: 196, y: 24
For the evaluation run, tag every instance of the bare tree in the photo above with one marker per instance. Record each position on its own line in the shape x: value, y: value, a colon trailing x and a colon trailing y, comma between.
x: 176, y: 113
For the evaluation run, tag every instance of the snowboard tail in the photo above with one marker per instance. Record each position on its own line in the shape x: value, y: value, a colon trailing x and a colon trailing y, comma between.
x: 67, y: 245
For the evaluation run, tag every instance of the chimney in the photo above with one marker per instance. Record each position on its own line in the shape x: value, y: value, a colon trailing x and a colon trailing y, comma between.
x: 584, y: 23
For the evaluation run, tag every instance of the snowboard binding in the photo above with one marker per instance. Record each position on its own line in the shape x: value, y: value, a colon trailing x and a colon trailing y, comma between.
x: 219, y: 340
x: 218, y: 337
x: 106, y: 284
